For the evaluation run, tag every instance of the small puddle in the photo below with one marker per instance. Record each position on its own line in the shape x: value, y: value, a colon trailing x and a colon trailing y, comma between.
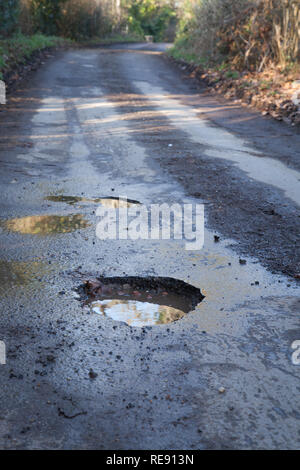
x: 46, y: 224
x: 17, y: 273
x: 110, y: 202
x: 141, y: 301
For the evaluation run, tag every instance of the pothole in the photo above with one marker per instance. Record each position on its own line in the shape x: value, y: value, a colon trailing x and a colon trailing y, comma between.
x: 140, y: 301
x: 46, y: 224
x: 110, y: 202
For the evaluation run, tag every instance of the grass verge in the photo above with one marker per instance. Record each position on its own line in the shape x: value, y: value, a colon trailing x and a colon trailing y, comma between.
x: 19, y: 48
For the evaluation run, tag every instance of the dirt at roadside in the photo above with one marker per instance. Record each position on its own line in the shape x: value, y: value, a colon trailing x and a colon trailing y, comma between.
x: 14, y: 77
x: 271, y: 91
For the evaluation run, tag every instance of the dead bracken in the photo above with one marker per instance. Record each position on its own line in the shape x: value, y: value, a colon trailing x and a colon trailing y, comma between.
x: 140, y: 301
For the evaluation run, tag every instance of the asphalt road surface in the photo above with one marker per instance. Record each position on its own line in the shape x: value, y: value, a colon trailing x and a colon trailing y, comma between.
x: 124, y: 121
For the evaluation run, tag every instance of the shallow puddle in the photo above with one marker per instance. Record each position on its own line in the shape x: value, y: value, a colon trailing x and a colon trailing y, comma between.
x: 46, y: 224
x: 141, y: 301
x: 110, y: 202
x: 23, y: 279
x: 17, y: 273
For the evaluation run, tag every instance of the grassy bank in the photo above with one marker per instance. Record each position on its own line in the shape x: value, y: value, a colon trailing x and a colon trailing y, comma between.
x: 247, y: 50
x: 182, y: 51
x: 19, y: 48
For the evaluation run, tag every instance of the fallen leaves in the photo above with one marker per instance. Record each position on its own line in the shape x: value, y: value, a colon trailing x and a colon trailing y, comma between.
x: 274, y: 92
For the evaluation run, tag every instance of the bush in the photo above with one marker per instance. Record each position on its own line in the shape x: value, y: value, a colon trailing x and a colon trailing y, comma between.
x: 247, y: 33
x: 46, y: 15
x: 83, y: 19
x: 26, y: 21
x: 75, y: 19
x: 152, y: 17
x: 17, y: 49
x: 9, y: 10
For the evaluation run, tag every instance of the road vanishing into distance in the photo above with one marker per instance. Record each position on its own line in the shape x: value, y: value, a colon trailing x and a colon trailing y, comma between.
x: 95, y: 124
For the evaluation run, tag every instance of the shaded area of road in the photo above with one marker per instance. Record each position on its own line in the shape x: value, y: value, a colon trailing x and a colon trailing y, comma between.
x: 95, y: 124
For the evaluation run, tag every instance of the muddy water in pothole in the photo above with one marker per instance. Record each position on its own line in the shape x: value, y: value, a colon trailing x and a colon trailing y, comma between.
x: 46, y: 224
x: 109, y: 202
x: 141, y: 301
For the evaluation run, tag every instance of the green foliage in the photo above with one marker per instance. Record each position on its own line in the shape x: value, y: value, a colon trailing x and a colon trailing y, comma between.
x: 84, y: 19
x: 9, y: 10
x: 46, y: 15
x: 232, y: 74
x: 151, y: 17
x: 17, y: 49
x: 180, y: 52
x: 81, y: 19
x: 75, y: 19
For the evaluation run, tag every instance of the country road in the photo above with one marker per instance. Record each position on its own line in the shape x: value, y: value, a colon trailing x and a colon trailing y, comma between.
x: 95, y: 124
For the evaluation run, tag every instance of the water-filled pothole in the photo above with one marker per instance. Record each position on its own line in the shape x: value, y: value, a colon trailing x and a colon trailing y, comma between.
x: 46, y: 224
x: 110, y: 202
x: 140, y: 301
